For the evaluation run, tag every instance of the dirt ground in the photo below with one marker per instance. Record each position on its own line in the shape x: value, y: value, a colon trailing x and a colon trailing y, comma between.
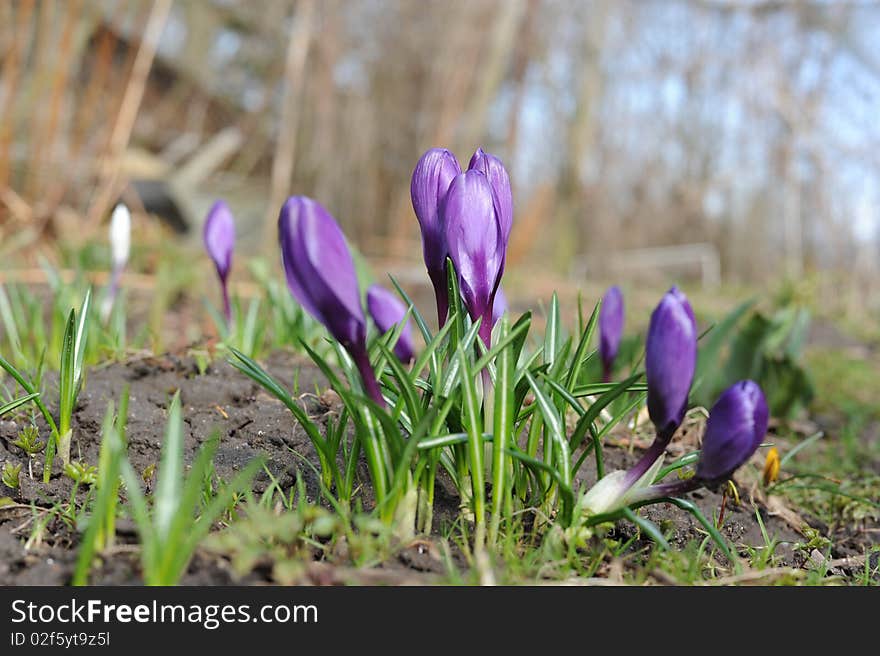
x: 252, y: 423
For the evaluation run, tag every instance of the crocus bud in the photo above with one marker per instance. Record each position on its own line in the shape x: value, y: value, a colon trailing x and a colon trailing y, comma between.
x: 120, y: 246
x: 475, y: 238
x: 219, y: 236
x: 610, y: 329
x: 500, y: 181
x: 670, y: 360
x: 387, y: 311
x: 321, y: 277
x: 430, y: 182
x: 499, y: 307
x: 737, y: 424
x: 120, y: 236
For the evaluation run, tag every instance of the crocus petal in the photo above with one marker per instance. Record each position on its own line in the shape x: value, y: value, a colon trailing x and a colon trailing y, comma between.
x: 430, y: 182
x: 120, y: 236
x: 499, y: 306
x: 219, y: 236
x: 475, y: 239
x: 319, y: 269
x: 500, y: 181
x: 670, y: 360
x: 611, y: 318
x: 387, y: 311
x: 737, y: 424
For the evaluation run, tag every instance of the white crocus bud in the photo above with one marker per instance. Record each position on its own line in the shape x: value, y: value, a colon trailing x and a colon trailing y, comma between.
x: 120, y: 236
x: 613, y: 492
x: 120, y: 246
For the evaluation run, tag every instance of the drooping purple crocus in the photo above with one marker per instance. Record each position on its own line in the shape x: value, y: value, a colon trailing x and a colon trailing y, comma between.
x: 387, y: 312
x: 476, y: 241
x: 219, y: 236
x: 321, y: 276
x: 670, y: 361
x: 611, y: 319
x: 737, y: 424
x: 430, y: 182
x: 500, y: 181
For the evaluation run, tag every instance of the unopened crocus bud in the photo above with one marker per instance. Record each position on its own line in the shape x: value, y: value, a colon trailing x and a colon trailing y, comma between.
x: 476, y: 242
x: 387, y: 312
x: 120, y: 246
x: 430, y: 182
x: 499, y: 307
x: 670, y: 361
x: 219, y: 236
x: 611, y: 318
x: 321, y: 276
x: 736, y: 426
x: 500, y: 181
x: 120, y: 236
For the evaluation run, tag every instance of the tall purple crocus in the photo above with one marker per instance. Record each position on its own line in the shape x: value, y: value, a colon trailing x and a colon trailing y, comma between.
x: 219, y: 236
x: 670, y: 361
x: 500, y: 181
x: 611, y: 318
x: 476, y: 240
x: 387, y: 311
x: 737, y: 424
x: 321, y: 276
x: 430, y: 182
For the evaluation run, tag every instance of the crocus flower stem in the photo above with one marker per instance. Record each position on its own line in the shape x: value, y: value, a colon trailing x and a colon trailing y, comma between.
x: 441, y: 293
x: 485, y: 330
x: 662, y: 490
x: 656, y: 450
x: 368, y: 376
x: 227, y: 307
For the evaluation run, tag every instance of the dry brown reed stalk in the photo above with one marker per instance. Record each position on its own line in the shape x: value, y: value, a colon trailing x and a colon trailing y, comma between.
x: 128, y: 109
x: 33, y: 96
x: 294, y: 73
x: 12, y: 68
x: 64, y: 62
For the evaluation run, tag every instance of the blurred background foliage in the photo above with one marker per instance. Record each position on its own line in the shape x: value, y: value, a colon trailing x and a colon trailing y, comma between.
x: 728, y: 145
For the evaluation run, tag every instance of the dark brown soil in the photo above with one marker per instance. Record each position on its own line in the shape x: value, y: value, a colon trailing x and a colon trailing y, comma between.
x: 250, y: 423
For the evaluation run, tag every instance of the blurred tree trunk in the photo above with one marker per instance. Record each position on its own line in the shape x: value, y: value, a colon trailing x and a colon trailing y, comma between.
x: 285, y: 150
x: 571, y: 228
x: 508, y: 15
x: 523, y: 54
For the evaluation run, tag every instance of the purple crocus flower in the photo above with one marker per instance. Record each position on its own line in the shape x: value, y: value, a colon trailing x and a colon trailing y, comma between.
x: 670, y: 361
x: 500, y: 181
x: 430, y: 182
x: 219, y: 236
x: 476, y: 242
x: 387, y: 311
x: 321, y: 276
x: 737, y: 424
x: 611, y: 318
